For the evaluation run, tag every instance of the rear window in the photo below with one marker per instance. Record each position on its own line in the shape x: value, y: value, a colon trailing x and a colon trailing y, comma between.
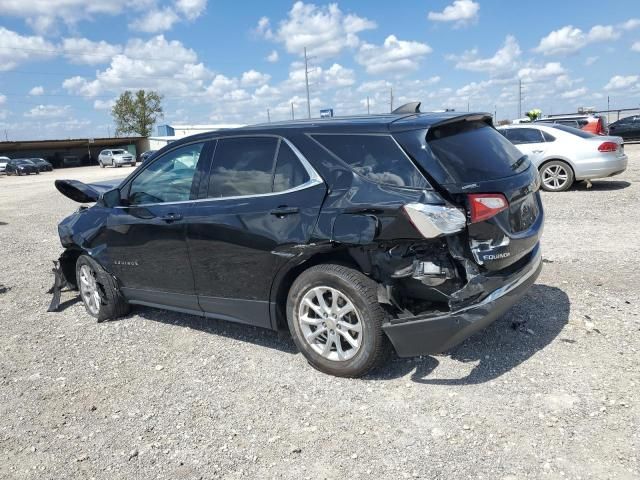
x: 573, y: 131
x: 475, y: 151
x: 375, y: 157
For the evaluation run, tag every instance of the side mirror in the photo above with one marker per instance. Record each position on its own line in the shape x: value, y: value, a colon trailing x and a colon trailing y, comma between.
x: 111, y: 198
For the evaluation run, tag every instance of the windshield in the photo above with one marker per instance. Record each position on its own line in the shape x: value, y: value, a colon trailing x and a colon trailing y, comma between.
x: 573, y: 131
x: 119, y: 152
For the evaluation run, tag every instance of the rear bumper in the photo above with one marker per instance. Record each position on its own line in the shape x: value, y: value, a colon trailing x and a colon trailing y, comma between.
x: 601, y: 168
x: 427, y: 334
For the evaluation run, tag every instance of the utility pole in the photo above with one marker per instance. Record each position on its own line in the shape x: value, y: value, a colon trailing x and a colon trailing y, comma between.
x: 495, y: 113
x: 391, y: 99
x: 368, y: 111
x: 268, y: 116
x: 292, y: 116
x: 520, y: 98
x: 6, y: 135
x: 467, y: 105
x: 608, y: 108
x: 306, y: 79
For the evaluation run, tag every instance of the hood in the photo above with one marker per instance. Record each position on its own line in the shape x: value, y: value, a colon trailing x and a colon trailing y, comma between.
x: 85, y: 192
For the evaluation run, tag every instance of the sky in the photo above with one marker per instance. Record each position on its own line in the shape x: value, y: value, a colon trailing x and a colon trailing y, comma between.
x: 63, y: 62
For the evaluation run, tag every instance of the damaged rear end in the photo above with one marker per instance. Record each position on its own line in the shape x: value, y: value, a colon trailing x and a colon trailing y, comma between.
x: 480, y: 231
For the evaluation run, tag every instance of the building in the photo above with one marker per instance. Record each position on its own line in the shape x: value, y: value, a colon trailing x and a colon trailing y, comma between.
x: 170, y: 133
x: 71, y: 152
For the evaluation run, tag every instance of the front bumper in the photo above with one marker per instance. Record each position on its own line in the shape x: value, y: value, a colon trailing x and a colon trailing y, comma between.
x: 428, y: 334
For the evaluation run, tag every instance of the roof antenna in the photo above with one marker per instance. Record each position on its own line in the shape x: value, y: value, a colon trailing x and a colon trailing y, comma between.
x: 411, y: 107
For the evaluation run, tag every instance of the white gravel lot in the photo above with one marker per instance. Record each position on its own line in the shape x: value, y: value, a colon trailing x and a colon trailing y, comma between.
x: 161, y: 395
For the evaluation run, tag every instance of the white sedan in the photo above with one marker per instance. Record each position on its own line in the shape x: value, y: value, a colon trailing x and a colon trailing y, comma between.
x: 564, y: 154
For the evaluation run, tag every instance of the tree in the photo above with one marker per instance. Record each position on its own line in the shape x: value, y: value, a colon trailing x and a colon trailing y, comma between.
x: 137, y: 114
x: 534, y: 114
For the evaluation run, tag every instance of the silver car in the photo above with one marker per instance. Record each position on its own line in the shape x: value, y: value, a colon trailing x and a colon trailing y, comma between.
x: 3, y: 164
x: 565, y: 154
x: 116, y: 158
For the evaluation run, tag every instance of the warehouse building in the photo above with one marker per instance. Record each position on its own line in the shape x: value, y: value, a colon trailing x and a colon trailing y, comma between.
x: 73, y: 152
x: 170, y: 133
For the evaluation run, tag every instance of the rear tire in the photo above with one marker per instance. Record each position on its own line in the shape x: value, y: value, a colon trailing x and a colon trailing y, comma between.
x: 99, y: 290
x: 556, y: 176
x: 336, y: 321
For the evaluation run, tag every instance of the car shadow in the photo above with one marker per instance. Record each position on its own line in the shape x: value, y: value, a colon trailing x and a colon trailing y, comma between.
x: 263, y: 337
x: 601, y: 185
x: 528, y: 327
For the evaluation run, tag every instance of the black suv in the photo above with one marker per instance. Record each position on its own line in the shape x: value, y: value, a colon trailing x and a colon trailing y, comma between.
x: 355, y: 234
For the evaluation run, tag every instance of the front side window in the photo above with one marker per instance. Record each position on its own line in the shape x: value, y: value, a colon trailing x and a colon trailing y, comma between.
x: 168, y: 178
x: 375, y: 157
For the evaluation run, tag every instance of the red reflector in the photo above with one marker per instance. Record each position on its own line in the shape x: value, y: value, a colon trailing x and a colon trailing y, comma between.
x: 483, y: 206
x: 608, y: 147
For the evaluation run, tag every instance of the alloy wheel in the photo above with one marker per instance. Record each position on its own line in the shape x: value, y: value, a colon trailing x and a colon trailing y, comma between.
x: 555, y: 177
x: 330, y: 323
x: 89, y: 289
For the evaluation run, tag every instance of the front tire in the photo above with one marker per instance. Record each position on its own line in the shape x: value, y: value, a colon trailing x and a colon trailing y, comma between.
x: 336, y: 321
x: 99, y: 290
x: 101, y: 164
x: 556, y: 176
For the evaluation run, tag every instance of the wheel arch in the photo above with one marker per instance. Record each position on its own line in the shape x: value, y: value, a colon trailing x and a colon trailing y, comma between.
x: 282, y: 285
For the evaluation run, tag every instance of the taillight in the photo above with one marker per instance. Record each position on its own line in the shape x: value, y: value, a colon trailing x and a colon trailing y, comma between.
x: 483, y: 206
x: 435, y: 220
x: 608, y: 147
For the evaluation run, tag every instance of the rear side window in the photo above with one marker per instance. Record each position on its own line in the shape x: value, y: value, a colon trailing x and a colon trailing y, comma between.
x: 519, y: 136
x: 574, y: 131
x: 242, y: 166
x: 289, y: 171
x: 548, y: 137
x: 375, y: 157
x: 473, y: 151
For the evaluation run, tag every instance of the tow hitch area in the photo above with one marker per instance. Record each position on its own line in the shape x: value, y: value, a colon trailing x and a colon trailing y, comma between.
x: 59, y: 283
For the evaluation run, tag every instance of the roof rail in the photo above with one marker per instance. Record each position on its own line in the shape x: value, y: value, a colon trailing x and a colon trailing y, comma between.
x: 411, y: 107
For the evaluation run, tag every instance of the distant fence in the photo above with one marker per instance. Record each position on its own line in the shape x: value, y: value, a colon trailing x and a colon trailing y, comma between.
x: 614, y: 115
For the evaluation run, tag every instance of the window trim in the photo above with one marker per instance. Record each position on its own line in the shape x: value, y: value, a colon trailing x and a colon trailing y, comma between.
x: 351, y: 169
x: 314, y: 176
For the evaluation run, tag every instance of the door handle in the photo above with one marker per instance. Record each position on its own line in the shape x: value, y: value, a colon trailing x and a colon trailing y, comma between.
x: 171, y: 217
x: 283, y: 211
x: 537, y: 151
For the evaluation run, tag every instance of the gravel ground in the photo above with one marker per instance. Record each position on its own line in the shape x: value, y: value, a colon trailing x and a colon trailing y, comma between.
x: 161, y: 395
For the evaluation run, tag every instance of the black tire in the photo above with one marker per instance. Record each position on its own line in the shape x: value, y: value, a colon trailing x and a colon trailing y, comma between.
x: 564, y: 180
x: 112, y: 303
x: 361, y: 291
x: 133, y: 164
x: 101, y: 164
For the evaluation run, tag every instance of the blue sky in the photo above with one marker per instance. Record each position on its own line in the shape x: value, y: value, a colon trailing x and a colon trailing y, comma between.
x: 62, y: 62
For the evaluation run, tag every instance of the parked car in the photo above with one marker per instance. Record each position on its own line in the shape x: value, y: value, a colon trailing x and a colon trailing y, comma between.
x: 417, y: 230
x: 146, y: 155
x: 42, y: 164
x: 21, y: 166
x: 3, y: 163
x: 116, y: 158
x: 593, y: 123
x: 627, y: 128
x: 565, y: 154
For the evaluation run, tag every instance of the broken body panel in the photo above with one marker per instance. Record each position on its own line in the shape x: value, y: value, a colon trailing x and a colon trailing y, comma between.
x: 233, y: 260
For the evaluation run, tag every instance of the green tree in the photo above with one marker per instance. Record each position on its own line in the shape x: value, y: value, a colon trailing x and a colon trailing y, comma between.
x: 136, y: 114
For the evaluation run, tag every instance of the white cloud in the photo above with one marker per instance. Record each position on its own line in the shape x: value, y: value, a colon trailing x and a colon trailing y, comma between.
x: 536, y: 73
x: 84, y: 51
x: 504, y: 60
x: 254, y: 78
x: 155, y: 21
x: 273, y: 56
x: 570, y: 39
x: 191, y: 9
x: 462, y: 12
x: 35, y: 91
x: 393, y: 56
x: 157, y: 64
x: 620, y: 82
x: 578, y: 92
x: 16, y: 49
x: 3, y: 99
x: 591, y: 60
x: 325, y: 31
x: 631, y: 24
x: 635, y: 47
x: 42, y: 15
x: 104, y: 104
x: 48, y: 111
